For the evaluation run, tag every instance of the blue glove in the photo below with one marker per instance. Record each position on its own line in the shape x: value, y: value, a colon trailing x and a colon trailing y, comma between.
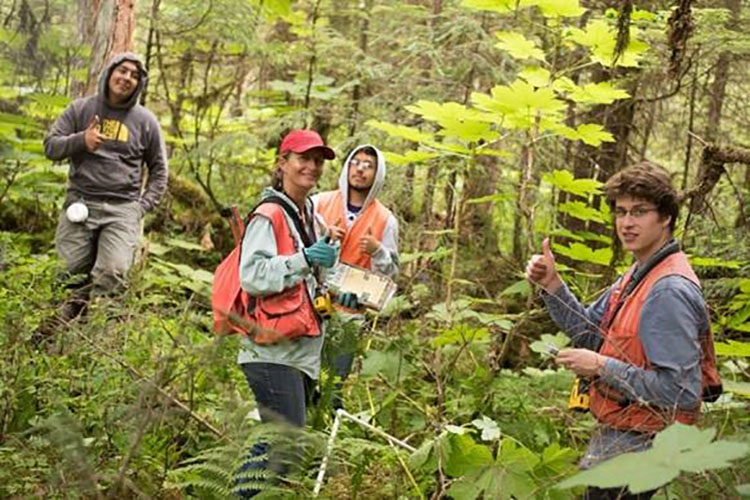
x: 348, y: 300
x: 321, y: 253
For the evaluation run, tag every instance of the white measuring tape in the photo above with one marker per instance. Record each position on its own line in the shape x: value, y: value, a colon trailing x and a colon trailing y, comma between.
x: 332, y: 438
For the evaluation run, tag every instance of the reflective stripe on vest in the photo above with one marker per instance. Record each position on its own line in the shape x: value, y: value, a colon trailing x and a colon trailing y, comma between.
x: 623, y: 342
x: 372, y: 220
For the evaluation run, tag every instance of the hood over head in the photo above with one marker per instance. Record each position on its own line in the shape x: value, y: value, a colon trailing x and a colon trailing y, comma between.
x: 378, y: 182
x: 103, y: 88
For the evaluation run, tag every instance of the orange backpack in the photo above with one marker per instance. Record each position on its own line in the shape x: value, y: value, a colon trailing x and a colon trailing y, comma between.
x: 285, y: 315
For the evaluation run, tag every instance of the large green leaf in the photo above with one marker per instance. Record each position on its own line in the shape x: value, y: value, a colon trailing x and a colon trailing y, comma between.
x: 549, y: 8
x: 582, y: 211
x: 579, y: 251
x: 391, y: 365
x: 598, y: 93
x: 518, y: 46
x: 535, y: 76
x: 464, y: 455
x: 564, y: 181
x: 456, y: 119
x: 600, y: 37
x: 401, y: 131
x: 678, y: 448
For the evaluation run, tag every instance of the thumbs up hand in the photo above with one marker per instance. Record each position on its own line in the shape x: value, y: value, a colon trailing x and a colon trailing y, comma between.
x: 92, y: 138
x: 368, y: 243
x: 337, y: 232
x: 541, y: 270
x: 322, y: 253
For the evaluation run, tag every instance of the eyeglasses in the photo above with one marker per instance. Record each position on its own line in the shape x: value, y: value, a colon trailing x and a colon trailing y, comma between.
x: 365, y: 164
x: 635, y: 212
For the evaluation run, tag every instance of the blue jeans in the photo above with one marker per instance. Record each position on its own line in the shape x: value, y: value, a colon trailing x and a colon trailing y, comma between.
x: 282, y: 394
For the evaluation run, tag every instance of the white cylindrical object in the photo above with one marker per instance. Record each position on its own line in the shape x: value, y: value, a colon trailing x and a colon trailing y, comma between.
x: 77, y: 212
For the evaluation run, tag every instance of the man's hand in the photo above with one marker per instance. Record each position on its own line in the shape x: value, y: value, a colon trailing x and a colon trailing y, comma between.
x: 541, y: 270
x: 92, y: 138
x: 582, y: 362
x: 337, y: 233
x: 368, y: 243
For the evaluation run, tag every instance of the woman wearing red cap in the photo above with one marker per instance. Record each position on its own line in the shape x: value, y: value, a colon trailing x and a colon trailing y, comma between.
x: 281, y: 260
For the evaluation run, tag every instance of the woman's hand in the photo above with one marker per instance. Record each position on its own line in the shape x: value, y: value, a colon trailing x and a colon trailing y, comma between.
x: 321, y: 253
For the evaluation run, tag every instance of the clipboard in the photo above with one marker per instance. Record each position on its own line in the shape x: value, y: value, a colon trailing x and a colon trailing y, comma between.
x: 373, y: 290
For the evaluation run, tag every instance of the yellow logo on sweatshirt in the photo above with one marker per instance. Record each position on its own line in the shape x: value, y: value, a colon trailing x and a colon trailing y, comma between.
x: 114, y: 130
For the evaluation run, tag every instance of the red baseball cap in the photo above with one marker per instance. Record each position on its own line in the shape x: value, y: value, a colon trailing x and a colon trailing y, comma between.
x: 299, y: 141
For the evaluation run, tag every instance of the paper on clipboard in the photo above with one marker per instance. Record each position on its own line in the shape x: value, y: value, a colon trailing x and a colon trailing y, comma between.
x: 373, y: 290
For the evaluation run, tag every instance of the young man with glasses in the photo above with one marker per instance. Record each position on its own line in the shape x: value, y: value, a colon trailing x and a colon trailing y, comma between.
x: 645, y: 344
x: 367, y: 230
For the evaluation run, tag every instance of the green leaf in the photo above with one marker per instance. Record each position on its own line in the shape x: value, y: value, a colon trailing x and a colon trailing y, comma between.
x: 519, y: 103
x: 410, y: 157
x: 390, y: 365
x: 465, y: 455
x: 549, y: 8
x: 678, y: 448
x: 460, y: 335
x: 466, y: 488
x: 489, y: 428
x: 743, y: 489
x: 457, y: 120
x: 593, y: 134
x: 579, y: 251
x: 601, y: 38
x: 732, y: 348
x: 696, y: 261
x: 560, y: 8
x: 518, y: 46
x: 582, y: 211
x: 401, y: 131
x: 559, y: 340
x: 520, y: 287
x: 421, y: 455
x: 739, y: 388
x: 535, y: 76
x: 564, y: 181
x: 499, y: 6
x: 186, y: 245
x: 598, y: 93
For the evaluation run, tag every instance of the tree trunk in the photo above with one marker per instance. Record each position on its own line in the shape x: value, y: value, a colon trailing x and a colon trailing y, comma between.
x: 107, y: 27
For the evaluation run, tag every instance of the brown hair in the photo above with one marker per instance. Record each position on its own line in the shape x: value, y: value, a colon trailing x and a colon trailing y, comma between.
x: 277, y: 176
x: 646, y: 181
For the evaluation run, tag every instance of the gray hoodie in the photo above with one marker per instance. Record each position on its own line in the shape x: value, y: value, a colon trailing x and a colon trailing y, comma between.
x: 114, y: 171
x: 385, y: 259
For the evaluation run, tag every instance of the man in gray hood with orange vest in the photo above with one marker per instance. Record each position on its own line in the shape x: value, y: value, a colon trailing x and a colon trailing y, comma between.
x: 367, y: 230
x: 107, y: 138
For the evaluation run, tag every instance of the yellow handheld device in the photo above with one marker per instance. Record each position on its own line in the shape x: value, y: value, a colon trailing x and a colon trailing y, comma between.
x: 323, y: 305
x: 579, y: 395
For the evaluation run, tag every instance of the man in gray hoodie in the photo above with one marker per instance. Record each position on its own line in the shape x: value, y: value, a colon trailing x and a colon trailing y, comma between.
x: 367, y: 230
x: 107, y: 138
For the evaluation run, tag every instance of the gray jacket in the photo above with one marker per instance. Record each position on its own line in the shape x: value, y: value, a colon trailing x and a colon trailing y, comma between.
x: 114, y: 171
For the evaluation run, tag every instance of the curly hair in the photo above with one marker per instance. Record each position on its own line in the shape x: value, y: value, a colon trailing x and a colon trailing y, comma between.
x: 646, y: 181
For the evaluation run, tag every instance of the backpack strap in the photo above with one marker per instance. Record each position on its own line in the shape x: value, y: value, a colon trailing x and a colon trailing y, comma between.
x: 307, y: 234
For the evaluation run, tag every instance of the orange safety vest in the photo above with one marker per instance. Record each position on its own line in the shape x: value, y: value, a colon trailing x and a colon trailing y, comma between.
x: 285, y: 315
x: 623, y: 342
x: 372, y: 220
